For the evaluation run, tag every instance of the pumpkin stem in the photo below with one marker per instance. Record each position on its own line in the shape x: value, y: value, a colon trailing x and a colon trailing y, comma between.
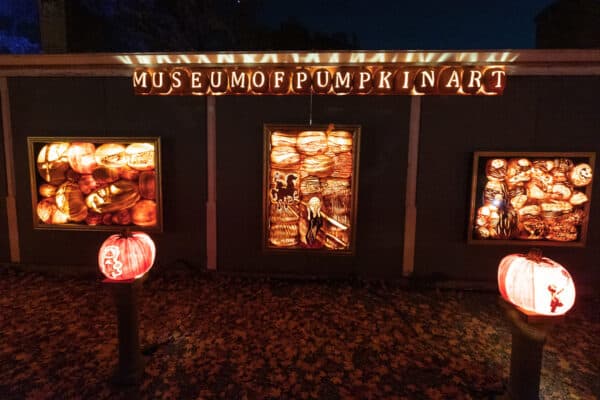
x: 535, y: 255
x: 126, y: 233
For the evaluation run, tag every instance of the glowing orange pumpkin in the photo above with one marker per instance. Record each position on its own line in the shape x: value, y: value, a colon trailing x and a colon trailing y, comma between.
x: 52, y: 162
x: 147, y: 185
x: 126, y: 256
x: 48, y: 212
x: 70, y: 201
x: 111, y: 155
x: 81, y: 157
x: 144, y: 213
x: 140, y: 156
x: 536, y: 284
x: 47, y: 190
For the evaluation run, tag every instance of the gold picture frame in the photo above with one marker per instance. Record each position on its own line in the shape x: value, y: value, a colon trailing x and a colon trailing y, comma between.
x: 310, y: 194
x: 120, y: 185
x: 530, y: 198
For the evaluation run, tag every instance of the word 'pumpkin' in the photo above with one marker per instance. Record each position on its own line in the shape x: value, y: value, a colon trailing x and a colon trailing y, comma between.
x: 126, y: 256
x: 536, y: 284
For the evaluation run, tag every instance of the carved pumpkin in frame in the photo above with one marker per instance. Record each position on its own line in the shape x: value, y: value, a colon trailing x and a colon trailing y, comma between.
x: 53, y: 163
x: 81, y: 156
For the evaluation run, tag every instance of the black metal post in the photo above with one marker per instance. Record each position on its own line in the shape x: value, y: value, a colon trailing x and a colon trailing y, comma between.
x: 131, y: 364
x: 529, y: 333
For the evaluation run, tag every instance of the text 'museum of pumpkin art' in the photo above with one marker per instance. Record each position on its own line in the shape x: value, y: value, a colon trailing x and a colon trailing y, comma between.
x: 542, y: 199
x: 376, y: 80
x: 310, y: 188
x: 97, y: 184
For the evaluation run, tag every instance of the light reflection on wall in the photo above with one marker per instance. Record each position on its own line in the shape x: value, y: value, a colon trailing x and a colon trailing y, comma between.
x: 307, y: 58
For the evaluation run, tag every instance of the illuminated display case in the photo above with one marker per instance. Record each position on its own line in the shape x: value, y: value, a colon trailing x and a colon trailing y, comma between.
x: 531, y: 198
x: 95, y: 183
x: 310, y: 186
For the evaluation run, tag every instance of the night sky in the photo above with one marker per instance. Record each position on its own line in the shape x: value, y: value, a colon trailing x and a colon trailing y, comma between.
x: 377, y: 24
x: 429, y: 24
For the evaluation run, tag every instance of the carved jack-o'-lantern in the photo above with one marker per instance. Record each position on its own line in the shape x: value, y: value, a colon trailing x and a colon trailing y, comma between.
x: 536, y: 284
x: 147, y: 185
x: 143, y: 213
x: 103, y: 175
x: 93, y: 218
x: 121, y: 217
x: 52, y: 162
x: 87, y: 184
x: 129, y: 173
x: 581, y: 175
x: 47, y: 190
x: 518, y: 171
x: 140, y: 156
x: 81, y: 157
x: 126, y: 256
x: 69, y: 200
x: 116, y: 196
x: 495, y: 169
x: 495, y: 193
x: 111, y: 155
x: 48, y: 212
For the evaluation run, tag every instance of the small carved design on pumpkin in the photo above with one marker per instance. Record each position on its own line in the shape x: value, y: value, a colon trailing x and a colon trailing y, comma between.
x: 284, y: 188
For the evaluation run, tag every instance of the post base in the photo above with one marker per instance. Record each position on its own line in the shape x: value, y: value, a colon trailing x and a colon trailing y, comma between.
x: 131, y: 364
x: 529, y: 333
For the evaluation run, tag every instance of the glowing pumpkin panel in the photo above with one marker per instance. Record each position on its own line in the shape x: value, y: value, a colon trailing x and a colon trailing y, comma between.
x: 95, y: 183
x: 126, y: 256
x: 536, y: 284
x: 310, y: 191
x: 542, y: 198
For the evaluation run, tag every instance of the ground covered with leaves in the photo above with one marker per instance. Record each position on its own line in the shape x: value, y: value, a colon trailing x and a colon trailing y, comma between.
x: 206, y: 336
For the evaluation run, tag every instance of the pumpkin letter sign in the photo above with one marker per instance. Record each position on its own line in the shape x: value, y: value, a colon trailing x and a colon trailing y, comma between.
x: 126, y: 256
x: 536, y: 284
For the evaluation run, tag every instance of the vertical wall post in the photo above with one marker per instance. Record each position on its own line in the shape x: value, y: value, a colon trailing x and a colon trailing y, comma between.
x: 211, y: 171
x: 11, y: 204
x: 410, y: 206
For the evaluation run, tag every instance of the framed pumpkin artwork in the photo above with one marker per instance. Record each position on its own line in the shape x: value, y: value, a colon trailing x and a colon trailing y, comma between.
x: 542, y: 199
x: 310, y: 187
x: 95, y: 183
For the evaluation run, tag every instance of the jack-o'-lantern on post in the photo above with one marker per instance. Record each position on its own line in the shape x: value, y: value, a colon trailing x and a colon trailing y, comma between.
x: 124, y: 259
x: 309, y: 188
x: 93, y: 183
x: 537, y: 292
x: 535, y: 284
x: 540, y: 199
x: 126, y: 256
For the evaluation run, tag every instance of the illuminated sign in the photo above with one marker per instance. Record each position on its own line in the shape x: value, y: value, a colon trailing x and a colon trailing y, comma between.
x: 439, y: 80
